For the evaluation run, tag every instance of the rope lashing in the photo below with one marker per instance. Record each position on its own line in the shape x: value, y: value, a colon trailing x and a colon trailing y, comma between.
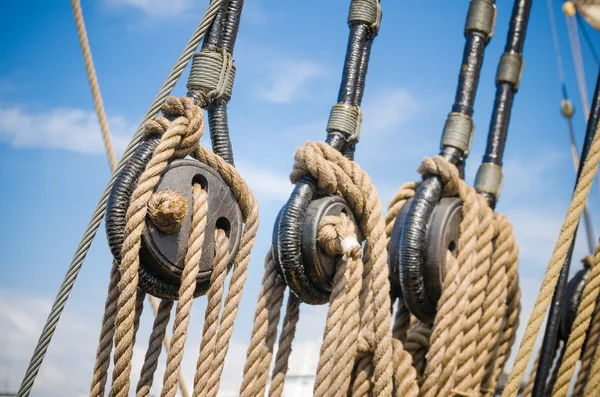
x: 179, y: 131
x: 477, y: 313
x: 359, y: 297
x: 211, y: 76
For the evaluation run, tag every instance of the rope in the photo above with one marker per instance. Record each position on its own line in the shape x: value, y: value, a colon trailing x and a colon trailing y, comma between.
x: 358, y: 327
x: 579, y: 329
x: 91, y: 73
x: 593, y: 384
x: 591, y: 344
x: 477, y: 314
x: 559, y: 255
x: 187, y: 288
x: 578, y: 63
x: 98, y: 214
x: 158, y: 335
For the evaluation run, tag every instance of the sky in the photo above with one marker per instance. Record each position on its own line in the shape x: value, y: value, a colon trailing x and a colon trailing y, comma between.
x: 289, y: 58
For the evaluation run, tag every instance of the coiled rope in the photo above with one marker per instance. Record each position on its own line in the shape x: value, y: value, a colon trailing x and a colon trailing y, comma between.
x: 464, y: 351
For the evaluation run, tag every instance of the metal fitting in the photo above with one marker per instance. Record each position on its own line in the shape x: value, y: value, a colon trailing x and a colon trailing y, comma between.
x: 489, y: 179
x: 365, y: 11
x: 481, y: 18
x: 458, y: 132
x: 345, y: 119
x: 510, y: 69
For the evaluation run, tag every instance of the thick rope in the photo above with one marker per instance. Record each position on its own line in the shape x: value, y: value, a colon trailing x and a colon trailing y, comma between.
x: 178, y: 139
x: 335, y: 173
x: 98, y: 214
x: 478, y: 311
x: 591, y: 344
x: 593, y: 384
x: 211, y: 317
x: 284, y: 349
x: 559, y: 256
x: 158, y: 335
x: 579, y: 329
x: 264, y: 331
x: 187, y: 288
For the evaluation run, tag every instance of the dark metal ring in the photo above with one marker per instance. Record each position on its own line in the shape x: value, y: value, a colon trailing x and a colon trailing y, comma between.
x: 162, y: 255
x: 425, y: 229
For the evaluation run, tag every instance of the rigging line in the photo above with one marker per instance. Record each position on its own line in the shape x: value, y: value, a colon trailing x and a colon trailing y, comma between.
x: 110, y: 153
x: 578, y: 62
x: 98, y: 214
x: 561, y: 75
x: 587, y: 38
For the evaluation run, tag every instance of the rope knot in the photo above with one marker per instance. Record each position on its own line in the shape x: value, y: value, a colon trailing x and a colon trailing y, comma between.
x: 184, y: 119
x: 365, y: 345
x: 445, y: 170
x: 167, y: 209
x: 337, y: 236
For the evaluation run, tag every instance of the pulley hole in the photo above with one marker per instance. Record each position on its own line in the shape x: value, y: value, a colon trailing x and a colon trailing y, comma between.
x: 452, y: 247
x: 224, y: 224
x: 200, y: 180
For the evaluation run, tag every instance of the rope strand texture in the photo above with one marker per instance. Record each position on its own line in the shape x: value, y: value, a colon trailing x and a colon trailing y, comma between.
x: 478, y: 310
x: 559, y: 256
x: 98, y: 214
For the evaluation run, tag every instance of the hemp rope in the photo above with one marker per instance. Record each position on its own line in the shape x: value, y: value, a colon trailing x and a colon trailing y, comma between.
x: 559, y: 255
x: 579, y: 329
x: 591, y: 344
x: 110, y: 153
x: 179, y: 138
x: 334, y: 174
x: 593, y: 384
x: 459, y: 362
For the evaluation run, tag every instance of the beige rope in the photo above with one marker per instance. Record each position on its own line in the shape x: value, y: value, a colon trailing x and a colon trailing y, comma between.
x: 91, y: 73
x: 528, y: 390
x: 211, y: 317
x: 593, y: 384
x: 559, y: 255
x: 264, y: 331
x: 591, y: 344
x: 579, y: 329
x: 284, y: 350
x: 159, y: 333
x: 187, y: 288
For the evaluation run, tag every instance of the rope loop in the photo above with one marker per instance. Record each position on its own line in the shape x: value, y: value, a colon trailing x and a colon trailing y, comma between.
x: 447, y: 171
x: 184, y: 119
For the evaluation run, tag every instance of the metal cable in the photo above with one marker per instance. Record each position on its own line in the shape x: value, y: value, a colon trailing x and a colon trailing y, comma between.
x: 94, y: 224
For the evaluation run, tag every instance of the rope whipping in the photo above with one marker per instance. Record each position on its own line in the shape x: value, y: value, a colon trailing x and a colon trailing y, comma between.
x: 110, y: 153
x: 98, y: 214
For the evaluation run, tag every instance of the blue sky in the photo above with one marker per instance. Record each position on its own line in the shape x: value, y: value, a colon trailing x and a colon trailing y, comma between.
x: 289, y: 58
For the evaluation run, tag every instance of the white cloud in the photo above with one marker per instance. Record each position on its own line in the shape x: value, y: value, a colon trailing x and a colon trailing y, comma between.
x: 289, y: 80
x: 155, y: 8
x: 62, y: 128
x: 265, y: 182
x: 388, y: 109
